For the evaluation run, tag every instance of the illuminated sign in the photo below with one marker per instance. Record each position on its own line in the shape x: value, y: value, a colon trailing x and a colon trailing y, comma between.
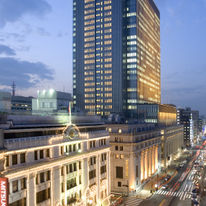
x: 4, y: 192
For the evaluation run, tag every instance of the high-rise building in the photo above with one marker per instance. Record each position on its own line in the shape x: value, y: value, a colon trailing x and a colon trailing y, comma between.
x: 189, y: 118
x: 116, y: 55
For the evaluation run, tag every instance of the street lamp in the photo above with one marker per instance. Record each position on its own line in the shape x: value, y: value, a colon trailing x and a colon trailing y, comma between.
x: 156, y: 187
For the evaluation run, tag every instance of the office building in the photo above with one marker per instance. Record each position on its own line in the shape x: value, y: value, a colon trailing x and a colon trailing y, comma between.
x: 116, y: 55
x: 21, y: 104
x: 51, y: 101
x: 135, y: 155
x: 53, y: 164
x: 5, y: 101
x: 189, y: 119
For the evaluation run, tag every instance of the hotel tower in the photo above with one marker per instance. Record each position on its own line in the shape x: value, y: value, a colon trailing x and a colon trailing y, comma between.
x: 116, y: 55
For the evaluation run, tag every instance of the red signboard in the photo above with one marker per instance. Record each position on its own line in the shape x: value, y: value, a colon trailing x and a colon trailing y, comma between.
x: 4, y: 195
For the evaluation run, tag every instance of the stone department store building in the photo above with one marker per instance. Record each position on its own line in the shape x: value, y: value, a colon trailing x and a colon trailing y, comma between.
x: 51, y: 164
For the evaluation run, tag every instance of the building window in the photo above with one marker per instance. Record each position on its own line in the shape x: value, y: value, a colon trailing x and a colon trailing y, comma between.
x: 43, y: 195
x: 119, y: 184
x: 80, y: 179
x: 22, y: 158
x: 116, y: 147
x: 62, y: 186
x: 104, y: 157
x: 42, y: 177
x: 75, y: 167
x: 121, y: 148
x: 62, y: 171
x: 74, y: 148
x: 92, y: 160
x: 14, y: 159
x: 48, y: 175
x: 92, y: 174
x: 137, y: 171
x: 62, y: 150
x: 41, y: 154
x: 21, y: 202
x: 48, y: 153
x: 103, y: 169
x: 7, y: 161
x: 70, y: 168
x: 71, y: 183
x: 79, y: 146
x: 119, y: 172
x: 15, y: 186
x: 23, y: 183
x: 80, y: 165
x: 35, y: 155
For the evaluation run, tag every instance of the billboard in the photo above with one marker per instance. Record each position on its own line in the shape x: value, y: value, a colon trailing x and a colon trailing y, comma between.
x: 4, y: 192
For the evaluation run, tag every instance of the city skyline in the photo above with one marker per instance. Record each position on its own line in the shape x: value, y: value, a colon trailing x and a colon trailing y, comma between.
x: 38, y: 32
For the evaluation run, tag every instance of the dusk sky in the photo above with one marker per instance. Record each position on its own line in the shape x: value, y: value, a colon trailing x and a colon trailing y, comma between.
x: 36, y: 48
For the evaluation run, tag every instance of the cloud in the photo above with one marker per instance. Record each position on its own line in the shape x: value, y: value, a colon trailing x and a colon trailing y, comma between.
x: 13, y: 10
x: 24, y: 73
x: 7, y: 50
x: 42, y: 32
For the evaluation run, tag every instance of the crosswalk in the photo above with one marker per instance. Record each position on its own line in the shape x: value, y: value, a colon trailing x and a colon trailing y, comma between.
x: 182, y: 195
x: 133, y: 201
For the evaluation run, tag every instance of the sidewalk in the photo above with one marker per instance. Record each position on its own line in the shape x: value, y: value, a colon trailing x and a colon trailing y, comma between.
x: 145, y: 192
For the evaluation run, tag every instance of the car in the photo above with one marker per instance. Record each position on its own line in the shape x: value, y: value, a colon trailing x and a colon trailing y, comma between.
x: 167, y: 177
x: 194, y: 195
x: 164, y: 187
x: 195, y: 190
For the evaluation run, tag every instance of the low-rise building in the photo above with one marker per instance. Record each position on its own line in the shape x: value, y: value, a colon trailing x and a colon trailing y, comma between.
x: 51, y: 101
x: 21, y: 104
x: 5, y: 101
x: 135, y: 155
x: 56, y: 165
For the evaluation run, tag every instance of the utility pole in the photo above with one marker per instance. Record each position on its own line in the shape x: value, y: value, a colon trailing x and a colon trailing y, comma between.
x: 13, y: 86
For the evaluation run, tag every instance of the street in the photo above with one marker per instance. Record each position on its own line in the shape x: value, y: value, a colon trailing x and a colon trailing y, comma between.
x: 178, y: 192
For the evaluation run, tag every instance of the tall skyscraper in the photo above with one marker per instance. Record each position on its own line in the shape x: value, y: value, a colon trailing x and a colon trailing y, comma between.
x: 116, y: 55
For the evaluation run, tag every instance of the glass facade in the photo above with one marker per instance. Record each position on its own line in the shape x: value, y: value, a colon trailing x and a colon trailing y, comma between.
x: 116, y: 55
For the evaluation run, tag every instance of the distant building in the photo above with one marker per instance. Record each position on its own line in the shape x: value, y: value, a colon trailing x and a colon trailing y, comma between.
x: 48, y: 163
x: 189, y: 118
x: 5, y: 101
x: 21, y: 104
x: 51, y: 101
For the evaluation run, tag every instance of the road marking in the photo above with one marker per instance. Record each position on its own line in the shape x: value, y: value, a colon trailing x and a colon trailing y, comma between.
x: 185, y: 187
x: 184, y: 196
x: 181, y: 195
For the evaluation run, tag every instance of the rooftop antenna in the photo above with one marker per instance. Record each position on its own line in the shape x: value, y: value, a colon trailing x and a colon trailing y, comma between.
x: 13, y: 86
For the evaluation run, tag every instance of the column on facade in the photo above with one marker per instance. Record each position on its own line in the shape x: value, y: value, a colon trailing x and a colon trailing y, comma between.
x: 150, y: 161
x: 108, y: 174
x: 153, y: 160
x: 98, y: 176
x: 132, y: 171
x: 85, y: 176
x: 142, y: 165
x: 156, y: 157
x: 146, y: 164
x: 31, y: 193
x: 56, y: 186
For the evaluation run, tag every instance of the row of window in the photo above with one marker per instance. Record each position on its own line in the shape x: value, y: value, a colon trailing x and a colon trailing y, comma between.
x: 21, y: 157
